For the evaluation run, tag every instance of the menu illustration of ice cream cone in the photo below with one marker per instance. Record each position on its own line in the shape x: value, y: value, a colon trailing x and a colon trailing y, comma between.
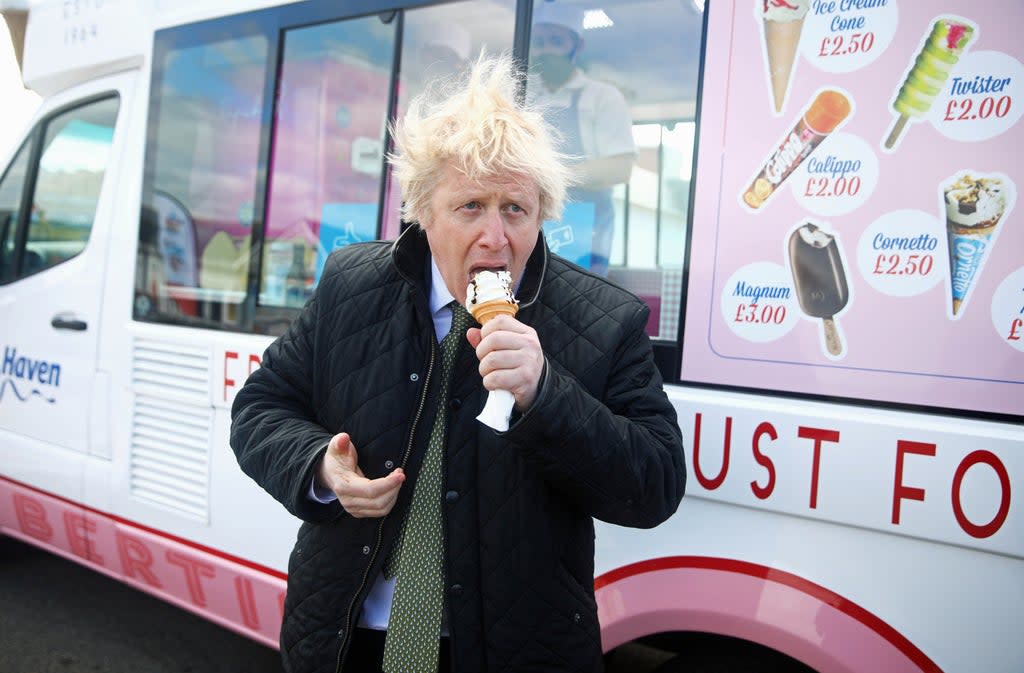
x: 942, y: 49
x: 975, y: 206
x: 782, y: 23
x: 827, y: 111
x: 819, y: 279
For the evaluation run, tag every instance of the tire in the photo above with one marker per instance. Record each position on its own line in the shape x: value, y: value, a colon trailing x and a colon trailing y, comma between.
x: 749, y: 659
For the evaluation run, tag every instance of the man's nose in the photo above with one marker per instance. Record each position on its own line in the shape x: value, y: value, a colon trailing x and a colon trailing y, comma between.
x: 492, y: 234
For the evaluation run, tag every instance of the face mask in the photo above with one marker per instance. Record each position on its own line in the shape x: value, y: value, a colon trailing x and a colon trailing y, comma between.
x: 553, y: 69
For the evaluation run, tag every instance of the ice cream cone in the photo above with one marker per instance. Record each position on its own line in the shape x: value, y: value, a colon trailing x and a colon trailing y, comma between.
x: 967, y: 251
x: 781, y: 40
x: 484, y: 312
x: 974, y: 207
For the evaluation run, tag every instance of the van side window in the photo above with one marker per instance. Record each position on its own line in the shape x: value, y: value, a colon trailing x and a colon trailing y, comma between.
x: 327, y: 150
x: 620, y: 83
x: 200, y: 182
x: 11, y: 188
x: 265, y: 150
x: 76, y: 150
x: 441, y: 41
x: 68, y: 177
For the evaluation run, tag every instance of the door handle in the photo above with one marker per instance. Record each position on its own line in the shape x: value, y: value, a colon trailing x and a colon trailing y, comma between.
x: 68, y: 323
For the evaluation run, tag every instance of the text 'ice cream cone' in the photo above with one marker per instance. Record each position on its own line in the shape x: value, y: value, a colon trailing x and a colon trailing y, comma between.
x: 782, y: 23
x: 975, y: 205
x: 942, y: 49
x: 827, y: 111
x: 488, y: 295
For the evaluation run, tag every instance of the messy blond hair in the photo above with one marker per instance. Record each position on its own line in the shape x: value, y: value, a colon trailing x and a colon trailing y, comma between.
x: 478, y: 122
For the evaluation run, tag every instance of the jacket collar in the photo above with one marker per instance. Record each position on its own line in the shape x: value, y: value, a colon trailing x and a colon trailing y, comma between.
x: 411, y: 254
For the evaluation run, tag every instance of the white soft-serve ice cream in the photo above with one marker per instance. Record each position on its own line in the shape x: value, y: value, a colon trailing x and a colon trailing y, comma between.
x: 489, y: 294
x: 490, y: 289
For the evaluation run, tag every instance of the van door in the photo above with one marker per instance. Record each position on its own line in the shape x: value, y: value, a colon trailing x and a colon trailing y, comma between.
x: 56, y: 202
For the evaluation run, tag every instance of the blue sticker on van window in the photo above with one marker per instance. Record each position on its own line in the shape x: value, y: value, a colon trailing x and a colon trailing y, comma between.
x: 342, y: 224
x: 572, y: 237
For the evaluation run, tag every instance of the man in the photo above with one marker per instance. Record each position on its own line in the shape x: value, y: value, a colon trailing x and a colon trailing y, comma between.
x: 340, y: 422
x: 591, y: 116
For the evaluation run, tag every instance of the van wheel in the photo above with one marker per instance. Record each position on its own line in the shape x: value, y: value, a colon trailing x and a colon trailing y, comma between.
x: 718, y: 662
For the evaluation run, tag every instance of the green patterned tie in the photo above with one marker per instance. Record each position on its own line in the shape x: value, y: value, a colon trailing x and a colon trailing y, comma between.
x: 414, y: 628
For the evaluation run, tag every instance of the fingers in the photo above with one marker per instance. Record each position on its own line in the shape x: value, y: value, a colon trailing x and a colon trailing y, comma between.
x: 342, y: 451
x: 361, y: 497
x: 364, y: 498
x: 510, y: 357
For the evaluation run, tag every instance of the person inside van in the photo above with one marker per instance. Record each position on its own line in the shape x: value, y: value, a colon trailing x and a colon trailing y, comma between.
x: 430, y: 541
x: 591, y: 116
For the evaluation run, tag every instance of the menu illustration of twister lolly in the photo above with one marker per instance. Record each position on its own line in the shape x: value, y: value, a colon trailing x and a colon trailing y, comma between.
x: 827, y: 111
x: 819, y: 279
x: 942, y: 49
x: 975, y: 205
x: 782, y: 23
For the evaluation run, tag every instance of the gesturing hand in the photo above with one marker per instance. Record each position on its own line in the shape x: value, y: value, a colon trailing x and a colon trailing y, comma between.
x: 361, y: 497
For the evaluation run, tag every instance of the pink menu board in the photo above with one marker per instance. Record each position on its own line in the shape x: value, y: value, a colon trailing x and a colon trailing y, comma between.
x: 855, y: 231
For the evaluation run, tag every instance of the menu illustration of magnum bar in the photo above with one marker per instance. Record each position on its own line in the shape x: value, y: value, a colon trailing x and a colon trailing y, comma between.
x: 819, y: 279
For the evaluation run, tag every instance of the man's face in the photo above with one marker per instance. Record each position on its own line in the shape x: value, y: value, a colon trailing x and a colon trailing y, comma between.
x: 474, y: 226
x: 553, y: 51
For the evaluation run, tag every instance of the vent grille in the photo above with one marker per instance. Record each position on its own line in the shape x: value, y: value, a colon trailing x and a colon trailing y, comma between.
x: 171, y: 370
x: 171, y: 427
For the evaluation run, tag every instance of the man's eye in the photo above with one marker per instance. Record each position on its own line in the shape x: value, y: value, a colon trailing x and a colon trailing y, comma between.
x: 471, y: 205
x: 514, y: 207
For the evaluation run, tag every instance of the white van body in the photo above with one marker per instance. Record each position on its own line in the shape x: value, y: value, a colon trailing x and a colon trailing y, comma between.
x: 857, y: 533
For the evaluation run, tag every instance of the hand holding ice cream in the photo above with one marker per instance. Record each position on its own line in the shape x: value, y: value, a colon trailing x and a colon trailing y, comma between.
x: 511, y: 360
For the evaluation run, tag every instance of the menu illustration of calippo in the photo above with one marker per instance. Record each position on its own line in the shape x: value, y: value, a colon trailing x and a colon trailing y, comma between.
x: 828, y: 110
x: 975, y: 205
x: 782, y: 23
x: 942, y: 48
x: 819, y: 279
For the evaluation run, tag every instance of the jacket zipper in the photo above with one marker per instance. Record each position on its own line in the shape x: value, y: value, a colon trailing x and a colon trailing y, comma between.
x: 380, y: 527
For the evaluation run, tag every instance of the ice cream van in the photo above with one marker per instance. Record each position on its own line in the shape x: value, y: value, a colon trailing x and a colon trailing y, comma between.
x: 819, y: 207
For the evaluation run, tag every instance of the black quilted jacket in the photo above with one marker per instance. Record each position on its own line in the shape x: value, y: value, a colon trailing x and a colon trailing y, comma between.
x: 601, y: 440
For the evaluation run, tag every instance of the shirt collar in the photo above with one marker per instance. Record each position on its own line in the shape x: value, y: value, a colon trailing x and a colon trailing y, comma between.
x: 440, y: 297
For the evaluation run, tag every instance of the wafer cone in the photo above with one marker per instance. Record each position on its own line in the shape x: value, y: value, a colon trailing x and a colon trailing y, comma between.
x: 968, y: 247
x: 781, y: 39
x: 489, y: 309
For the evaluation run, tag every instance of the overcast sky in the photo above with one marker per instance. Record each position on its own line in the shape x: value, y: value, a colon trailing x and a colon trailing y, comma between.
x: 18, y: 104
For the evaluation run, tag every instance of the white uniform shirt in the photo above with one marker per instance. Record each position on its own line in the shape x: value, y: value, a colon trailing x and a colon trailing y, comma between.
x: 604, y: 119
